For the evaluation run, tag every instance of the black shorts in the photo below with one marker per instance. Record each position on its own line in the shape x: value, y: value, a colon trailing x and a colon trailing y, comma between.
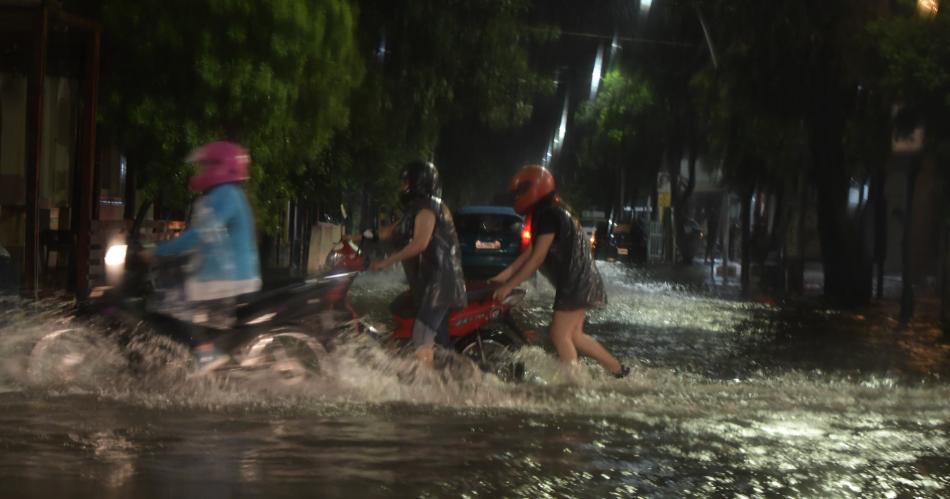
x: 573, y: 297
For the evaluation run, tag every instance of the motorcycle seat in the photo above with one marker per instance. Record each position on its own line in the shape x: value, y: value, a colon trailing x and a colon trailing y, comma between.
x: 479, y: 294
x: 402, y: 305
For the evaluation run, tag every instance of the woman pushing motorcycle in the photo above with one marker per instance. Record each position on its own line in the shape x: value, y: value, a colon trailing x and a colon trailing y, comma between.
x: 561, y: 251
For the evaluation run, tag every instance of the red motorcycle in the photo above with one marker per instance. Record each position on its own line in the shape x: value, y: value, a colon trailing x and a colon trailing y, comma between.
x: 484, y: 331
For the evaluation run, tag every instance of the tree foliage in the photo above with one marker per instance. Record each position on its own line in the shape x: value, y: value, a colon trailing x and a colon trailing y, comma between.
x: 436, y: 63
x: 916, y: 51
x: 610, y: 129
x: 273, y: 75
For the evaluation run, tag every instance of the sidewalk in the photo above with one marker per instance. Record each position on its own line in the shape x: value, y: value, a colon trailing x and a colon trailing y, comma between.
x: 725, y: 281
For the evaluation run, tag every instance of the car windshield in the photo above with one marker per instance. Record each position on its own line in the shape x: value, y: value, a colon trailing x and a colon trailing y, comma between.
x: 494, y: 224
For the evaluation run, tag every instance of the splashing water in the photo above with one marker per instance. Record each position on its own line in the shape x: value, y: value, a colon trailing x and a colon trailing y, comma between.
x: 726, y: 398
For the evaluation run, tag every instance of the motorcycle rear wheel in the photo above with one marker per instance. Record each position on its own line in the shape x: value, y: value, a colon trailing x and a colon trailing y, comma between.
x: 292, y: 357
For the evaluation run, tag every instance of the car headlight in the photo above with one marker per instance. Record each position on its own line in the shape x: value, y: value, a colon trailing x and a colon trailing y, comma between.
x: 115, y: 255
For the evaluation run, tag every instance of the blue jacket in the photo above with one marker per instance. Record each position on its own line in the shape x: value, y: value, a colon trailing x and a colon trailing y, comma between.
x: 222, y: 243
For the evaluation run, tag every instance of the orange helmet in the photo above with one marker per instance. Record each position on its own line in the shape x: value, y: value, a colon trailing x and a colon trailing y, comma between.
x: 530, y: 185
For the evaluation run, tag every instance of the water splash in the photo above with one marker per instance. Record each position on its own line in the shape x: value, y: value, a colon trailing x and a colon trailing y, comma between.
x: 677, y: 425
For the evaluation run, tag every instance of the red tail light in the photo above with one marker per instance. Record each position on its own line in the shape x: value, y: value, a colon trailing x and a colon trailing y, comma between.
x: 526, y: 233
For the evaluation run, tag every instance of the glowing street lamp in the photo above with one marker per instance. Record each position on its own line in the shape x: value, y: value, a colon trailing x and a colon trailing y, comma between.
x: 598, y: 70
x: 928, y: 8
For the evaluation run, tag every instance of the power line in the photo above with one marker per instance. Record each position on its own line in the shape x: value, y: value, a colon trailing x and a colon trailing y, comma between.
x: 627, y: 39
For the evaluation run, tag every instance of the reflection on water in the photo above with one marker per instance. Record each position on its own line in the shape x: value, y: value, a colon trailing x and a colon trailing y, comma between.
x: 727, y: 398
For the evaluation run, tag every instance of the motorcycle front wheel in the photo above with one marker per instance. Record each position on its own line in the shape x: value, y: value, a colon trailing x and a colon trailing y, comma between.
x: 73, y: 355
x: 493, y: 350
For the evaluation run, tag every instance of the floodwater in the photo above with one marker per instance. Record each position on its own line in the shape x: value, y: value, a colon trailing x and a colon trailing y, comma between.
x: 726, y: 399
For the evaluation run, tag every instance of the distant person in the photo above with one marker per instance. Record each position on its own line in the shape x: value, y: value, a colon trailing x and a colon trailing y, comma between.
x: 430, y: 255
x: 221, y: 246
x: 560, y: 249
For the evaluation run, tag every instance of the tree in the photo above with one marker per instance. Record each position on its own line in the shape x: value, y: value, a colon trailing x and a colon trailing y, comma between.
x: 609, y: 129
x: 799, y: 64
x: 274, y: 76
x: 671, y: 67
x: 915, y: 51
x: 436, y: 67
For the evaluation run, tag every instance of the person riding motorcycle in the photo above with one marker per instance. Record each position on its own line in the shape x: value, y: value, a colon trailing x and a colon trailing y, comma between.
x: 430, y: 255
x: 220, y: 243
x: 562, y: 252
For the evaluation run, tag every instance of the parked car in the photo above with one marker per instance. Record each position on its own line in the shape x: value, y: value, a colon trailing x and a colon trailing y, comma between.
x: 627, y: 242
x: 491, y: 238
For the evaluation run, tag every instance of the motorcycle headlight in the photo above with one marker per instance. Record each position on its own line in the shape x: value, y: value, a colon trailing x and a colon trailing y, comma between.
x: 115, y: 255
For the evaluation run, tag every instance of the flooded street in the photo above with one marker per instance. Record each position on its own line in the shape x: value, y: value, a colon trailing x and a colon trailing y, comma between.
x: 726, y: 398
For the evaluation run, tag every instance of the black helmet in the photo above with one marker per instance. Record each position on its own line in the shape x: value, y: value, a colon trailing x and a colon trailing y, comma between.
x: 423, y: 180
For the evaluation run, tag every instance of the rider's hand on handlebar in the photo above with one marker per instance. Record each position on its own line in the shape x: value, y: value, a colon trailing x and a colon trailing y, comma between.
x: 501, y: 293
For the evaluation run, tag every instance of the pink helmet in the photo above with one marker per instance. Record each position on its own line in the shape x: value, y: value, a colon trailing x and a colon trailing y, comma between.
x: 221, y: 163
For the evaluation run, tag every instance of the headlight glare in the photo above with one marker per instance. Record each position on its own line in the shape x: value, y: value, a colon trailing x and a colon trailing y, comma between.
x: 115, y: 255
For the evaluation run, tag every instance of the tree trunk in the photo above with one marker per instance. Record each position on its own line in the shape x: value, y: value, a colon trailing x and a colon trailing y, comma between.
x: 680, y: 201
x: 843, y: 256
x: 672, y: 167
x: 879, y: 202
x: 907, y: 258
x: 794, y: 245
x: 712, y: 231
x: 945, y: 275
x: 783, y: 212
x: 746, y: 217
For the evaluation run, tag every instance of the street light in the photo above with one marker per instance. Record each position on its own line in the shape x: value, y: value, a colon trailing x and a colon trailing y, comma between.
x: 928, y: 8
x: 595, y: 75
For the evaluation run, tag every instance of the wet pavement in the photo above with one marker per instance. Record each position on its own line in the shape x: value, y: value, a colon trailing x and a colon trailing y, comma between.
x: 727, y: 398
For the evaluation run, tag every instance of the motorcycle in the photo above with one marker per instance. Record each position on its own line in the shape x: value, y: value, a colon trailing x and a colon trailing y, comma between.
x: 484, y: 331
x: 285, y: 330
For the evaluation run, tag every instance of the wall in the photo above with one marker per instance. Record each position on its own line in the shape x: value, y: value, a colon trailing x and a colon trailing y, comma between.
x: 322, y: 238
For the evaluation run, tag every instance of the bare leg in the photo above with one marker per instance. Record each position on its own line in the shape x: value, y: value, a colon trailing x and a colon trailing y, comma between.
x: 425, y: 355
x: 592, y: 348
x: 562, y: 329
